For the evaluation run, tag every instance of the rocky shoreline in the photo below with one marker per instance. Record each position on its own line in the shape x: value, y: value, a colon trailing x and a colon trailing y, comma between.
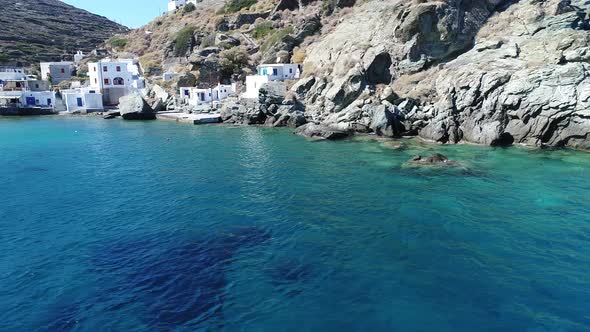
x: 494, y: 73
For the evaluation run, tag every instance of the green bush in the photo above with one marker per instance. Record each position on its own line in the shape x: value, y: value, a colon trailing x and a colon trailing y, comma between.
x: 118, y: 42
x: 276, y: 37
x: 225, y: 45
x: 189, y: 8
x: 262, y: 30
x: 4, y: 58
x: 183, y: 41
x: 235, y: 6
x: 208, y: 40
x: 232, y: 61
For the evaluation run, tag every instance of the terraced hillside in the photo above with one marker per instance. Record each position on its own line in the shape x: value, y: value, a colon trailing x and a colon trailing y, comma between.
x: 37, y: 30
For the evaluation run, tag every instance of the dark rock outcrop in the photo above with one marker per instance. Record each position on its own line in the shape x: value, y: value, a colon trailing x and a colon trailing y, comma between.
x: 111, y: 115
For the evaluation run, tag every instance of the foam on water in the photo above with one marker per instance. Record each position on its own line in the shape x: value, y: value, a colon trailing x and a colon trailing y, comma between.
x: 111, y: 226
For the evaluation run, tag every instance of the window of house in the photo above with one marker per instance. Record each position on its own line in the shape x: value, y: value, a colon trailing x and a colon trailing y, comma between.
x: 96, y: 81
x: 63, y: 71
x: 275, y: 72
x: 91, y: 91
x: 290, y: 70
x: 186, y: 93
x: 118, y: 68
x: 94, y: 68
x: 118, y: 81
x: 105, y: 69
x: 36, y: 86
x: 106, y: 81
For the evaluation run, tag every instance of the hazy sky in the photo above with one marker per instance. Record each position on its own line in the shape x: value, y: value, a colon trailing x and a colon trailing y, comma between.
x: 132, y: 13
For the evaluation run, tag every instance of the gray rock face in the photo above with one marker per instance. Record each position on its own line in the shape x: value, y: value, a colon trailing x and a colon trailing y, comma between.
x: 534, y: 88
x: 249, y: 18
x: 242, y: 115
x: 134, y: 107
x: 286, y: 116
x: 456, y: 71
x: 312, y: 130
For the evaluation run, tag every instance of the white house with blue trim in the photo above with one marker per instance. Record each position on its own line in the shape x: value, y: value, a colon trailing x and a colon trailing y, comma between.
x: 268, y: 73
x: 83, y: 100
x: 280, y: 71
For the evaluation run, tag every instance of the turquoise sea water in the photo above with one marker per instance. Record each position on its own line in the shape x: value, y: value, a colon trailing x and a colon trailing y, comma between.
x: 110, y: 226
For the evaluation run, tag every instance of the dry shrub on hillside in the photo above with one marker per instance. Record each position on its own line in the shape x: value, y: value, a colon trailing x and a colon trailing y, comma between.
x: 232, y: 61
x: 421, y: 85
x: 298, y: 56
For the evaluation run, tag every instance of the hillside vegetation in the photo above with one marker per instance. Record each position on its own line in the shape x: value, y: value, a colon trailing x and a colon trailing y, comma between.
x: 220, y: 41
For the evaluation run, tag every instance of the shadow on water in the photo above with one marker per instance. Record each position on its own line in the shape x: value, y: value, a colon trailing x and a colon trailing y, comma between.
x: 173, y: 280
x: 435, y: 171
x: 287, y: 274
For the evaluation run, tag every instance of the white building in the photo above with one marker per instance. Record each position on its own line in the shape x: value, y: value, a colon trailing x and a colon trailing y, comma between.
x: 19, y: 90
x: 196, y: 96
x: 57, y: 72
x: 253, y: 85
x: 114, y: 79
x: 176, y: 4
x: 79, y: 56
x: 27, y: 99
x: 84, y: 100
x: 12, y: 73
x: 268, y: 73
x: 38, y: 99
x: 280, y: 72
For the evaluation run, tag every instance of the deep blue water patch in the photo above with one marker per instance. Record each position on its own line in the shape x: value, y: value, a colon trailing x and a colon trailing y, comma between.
x: 109, y: 226
x: 177, y: 279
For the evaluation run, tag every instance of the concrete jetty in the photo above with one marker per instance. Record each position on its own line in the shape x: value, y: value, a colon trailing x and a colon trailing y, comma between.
x: 190, y: 118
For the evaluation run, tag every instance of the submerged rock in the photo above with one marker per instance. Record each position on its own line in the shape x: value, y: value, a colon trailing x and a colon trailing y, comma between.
x: 312, y: 130
x: 436, y: 159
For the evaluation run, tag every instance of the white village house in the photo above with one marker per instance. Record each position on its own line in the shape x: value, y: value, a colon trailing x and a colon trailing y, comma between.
x: 268, y: 73
x: 79, y: 56
x: 115, y: 79
x: 57, y: 72
x: 12, y: 73
x: 83, y: 100
x: 176, y: 4
x: 19, y: 90
x: 197, y: 96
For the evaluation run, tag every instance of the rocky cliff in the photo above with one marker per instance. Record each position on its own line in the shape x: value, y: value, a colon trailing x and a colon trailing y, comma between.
x: 485, y: 71
x: 494, y: 72
x: 43, y: 30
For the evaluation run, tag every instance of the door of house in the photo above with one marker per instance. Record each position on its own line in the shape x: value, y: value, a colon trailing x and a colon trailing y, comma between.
x: 80, y: 103
x: 30, y: 101
x: 49, y: 101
